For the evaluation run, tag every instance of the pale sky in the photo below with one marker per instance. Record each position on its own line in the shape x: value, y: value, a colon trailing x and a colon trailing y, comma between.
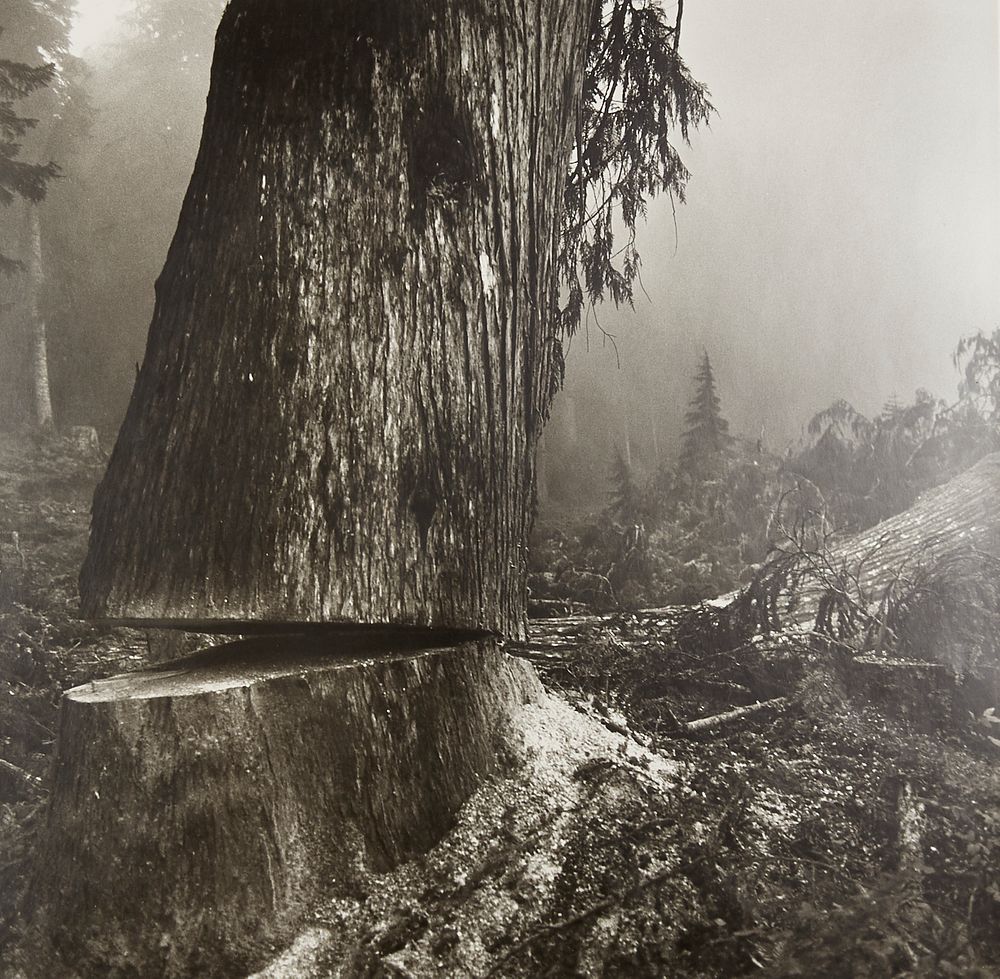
x: 842, y: 229
x: 95, y: 20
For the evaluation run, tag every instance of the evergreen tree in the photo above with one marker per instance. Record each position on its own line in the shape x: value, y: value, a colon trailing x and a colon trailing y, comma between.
x: 979, y: 358
x: 625, y: 495
x: 892, y: 409
x: 30, y: 29
x: 38, y: 303
x: 19, y: 179
x: 707, y: 434
x: 869, y: 470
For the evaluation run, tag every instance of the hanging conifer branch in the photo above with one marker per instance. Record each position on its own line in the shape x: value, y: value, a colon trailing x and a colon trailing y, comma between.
x: 17, y: 178
x: 638, y: 95
x: 978, y: 356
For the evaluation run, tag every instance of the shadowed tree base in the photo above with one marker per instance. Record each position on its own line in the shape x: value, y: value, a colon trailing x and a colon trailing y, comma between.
x: 200, y: 808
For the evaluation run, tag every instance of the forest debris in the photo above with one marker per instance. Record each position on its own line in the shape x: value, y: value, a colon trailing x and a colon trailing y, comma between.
x: 32, y: 780
x: 920, y: 693
x: 703, y: 724
x: 805, y: 847
x: 910, y: 815
x: 300, y: 958
x: 547, y: 931
x: 846, y: 584
x: 530, y: 848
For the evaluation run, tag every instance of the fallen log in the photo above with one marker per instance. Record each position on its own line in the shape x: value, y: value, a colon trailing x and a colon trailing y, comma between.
x: 201, y: 808
x: 910, y: 820
x: 964, y: 512
x: 703, y: 724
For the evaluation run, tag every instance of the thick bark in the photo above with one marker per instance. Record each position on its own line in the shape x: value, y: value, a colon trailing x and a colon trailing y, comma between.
x: 201, y: 808
x: 348, y: 363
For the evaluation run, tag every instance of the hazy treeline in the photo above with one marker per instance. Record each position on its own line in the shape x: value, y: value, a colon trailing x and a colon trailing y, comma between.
x: 122, y: 124
x: 701, y: 522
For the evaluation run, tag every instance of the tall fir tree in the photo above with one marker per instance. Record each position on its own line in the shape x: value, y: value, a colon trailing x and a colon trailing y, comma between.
x: 707, y: 435
x: 37, y: 71
x: 32, y: 33
x: 625, y: 497
x: 18, y: 178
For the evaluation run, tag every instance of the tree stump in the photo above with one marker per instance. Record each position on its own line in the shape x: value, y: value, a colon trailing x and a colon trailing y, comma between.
x: 201, y: 807
x: 921, y: 694
x: 84, y: 439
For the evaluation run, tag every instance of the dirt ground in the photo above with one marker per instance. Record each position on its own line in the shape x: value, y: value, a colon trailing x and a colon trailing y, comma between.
x: 851, y: 829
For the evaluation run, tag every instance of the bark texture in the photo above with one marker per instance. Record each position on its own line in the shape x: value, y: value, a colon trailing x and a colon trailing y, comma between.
x: 199, y: 809
x: 348, y: 363
x: 965, y: 511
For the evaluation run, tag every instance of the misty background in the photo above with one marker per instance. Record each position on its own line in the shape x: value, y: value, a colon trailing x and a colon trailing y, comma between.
x: 840, y: 232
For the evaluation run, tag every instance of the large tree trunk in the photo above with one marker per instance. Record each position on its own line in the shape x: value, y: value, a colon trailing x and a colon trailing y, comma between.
x: 351, y: 350
x: 25, y: 397
x: 201, y: 809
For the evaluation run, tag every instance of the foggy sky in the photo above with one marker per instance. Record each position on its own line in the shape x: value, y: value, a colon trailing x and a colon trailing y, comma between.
x: 841, y: 229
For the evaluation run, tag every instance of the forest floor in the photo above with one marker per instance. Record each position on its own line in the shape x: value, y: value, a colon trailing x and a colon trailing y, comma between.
x: 852, y: 828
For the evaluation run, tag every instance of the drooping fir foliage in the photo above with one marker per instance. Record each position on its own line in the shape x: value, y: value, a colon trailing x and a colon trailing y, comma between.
x: 978, y: 356
x: 18, y: 178
x: 707, y: 433
x: 639, y: 100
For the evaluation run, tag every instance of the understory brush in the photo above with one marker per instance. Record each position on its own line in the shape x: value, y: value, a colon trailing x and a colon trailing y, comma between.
x: 856, y: 830
x: 45, y: 648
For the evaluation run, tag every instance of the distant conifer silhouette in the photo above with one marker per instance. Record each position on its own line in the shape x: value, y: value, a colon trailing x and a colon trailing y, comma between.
x: 625, y: 502
x: 707, y: 434
x: 17, y: 178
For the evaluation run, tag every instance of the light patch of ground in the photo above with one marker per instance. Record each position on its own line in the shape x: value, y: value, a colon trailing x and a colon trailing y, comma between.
x: 496, y: 873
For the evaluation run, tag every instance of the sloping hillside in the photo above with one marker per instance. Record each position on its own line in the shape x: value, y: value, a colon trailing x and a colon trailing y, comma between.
x: 851, y: 826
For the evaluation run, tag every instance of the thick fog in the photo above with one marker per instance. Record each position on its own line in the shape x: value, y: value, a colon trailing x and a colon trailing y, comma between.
x: 840, y: 232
